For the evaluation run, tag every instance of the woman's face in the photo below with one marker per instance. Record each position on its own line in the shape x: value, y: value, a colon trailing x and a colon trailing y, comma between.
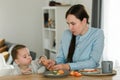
x: 76, y: 26
x: 23, y: 57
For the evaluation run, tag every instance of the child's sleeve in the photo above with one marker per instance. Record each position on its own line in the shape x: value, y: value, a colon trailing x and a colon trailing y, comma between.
x: 41, y: 69
x: 38, y: 67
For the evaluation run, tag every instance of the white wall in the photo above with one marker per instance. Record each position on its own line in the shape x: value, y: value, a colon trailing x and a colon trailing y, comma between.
x: 20, y: 21
x: 86, y: 3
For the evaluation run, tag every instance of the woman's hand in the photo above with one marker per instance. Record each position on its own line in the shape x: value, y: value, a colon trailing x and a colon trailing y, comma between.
x: 61, y: 66
x: 50, y: 64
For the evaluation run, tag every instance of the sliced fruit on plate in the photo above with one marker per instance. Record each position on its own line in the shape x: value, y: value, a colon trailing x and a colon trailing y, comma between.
x: 72, y: 73
x: 58, y: 72
x: 89, y: 70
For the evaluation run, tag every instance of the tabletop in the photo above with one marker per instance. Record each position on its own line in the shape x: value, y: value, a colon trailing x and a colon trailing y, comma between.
x: 41, y: 77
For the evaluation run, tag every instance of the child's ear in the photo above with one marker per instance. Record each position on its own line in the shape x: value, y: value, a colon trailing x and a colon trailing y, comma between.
x: 16, y: 61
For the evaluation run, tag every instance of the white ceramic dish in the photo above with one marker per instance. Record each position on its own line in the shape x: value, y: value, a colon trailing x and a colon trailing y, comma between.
x: 98, y: 73
x: 51, y: 75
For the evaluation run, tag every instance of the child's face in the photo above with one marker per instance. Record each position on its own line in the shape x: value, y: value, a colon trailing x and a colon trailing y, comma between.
x: 23, y: 57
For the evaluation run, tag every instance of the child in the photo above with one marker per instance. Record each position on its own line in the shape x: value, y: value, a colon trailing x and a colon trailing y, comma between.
x: 23, y: 63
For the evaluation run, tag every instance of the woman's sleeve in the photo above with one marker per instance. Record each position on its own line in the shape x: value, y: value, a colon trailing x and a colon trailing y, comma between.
x: 60, y: 56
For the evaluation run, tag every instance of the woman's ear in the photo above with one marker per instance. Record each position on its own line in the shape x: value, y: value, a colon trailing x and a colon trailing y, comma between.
x: 84, y: 20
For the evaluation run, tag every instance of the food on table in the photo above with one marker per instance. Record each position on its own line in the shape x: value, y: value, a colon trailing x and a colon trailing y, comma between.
x: 72, y: 73
x: 75, y: 73
x: 58, y: 72
x: 89, y: 70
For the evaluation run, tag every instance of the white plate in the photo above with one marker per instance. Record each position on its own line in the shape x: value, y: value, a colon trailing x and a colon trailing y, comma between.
x: 52, y: 75
x: 98, y: 73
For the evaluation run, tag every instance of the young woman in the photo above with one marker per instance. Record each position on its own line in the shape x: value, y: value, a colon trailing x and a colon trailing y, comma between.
x: 88, y: 44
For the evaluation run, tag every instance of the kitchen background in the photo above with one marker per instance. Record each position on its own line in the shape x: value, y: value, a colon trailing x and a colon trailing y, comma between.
x: 21, y: 22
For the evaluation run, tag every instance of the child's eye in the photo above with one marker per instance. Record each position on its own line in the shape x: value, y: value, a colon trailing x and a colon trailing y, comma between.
x: 24, y: 56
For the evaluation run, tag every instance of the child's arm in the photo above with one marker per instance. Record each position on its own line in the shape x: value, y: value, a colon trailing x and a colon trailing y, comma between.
x: 26, y: 71
x: 48, y: 63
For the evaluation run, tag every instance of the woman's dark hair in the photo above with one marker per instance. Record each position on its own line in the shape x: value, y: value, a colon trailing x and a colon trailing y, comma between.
x: 78, y: 11
x: 15, y: 50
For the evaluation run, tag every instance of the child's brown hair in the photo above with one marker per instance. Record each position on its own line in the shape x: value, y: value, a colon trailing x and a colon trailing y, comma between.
x: 15, y: 51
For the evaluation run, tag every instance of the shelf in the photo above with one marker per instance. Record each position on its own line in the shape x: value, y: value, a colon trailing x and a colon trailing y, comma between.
x: 50, y: 29
x: 53, y: 26
x: 51, y: 50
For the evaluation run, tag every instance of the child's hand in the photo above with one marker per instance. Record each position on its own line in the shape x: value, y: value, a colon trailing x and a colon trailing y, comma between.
x: 48, y: 63
x: 43, y: 60
x: 26, y: 71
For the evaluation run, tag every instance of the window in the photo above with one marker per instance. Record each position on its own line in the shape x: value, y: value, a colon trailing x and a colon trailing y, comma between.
x: 96, y: 13
x: 111, y: 26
